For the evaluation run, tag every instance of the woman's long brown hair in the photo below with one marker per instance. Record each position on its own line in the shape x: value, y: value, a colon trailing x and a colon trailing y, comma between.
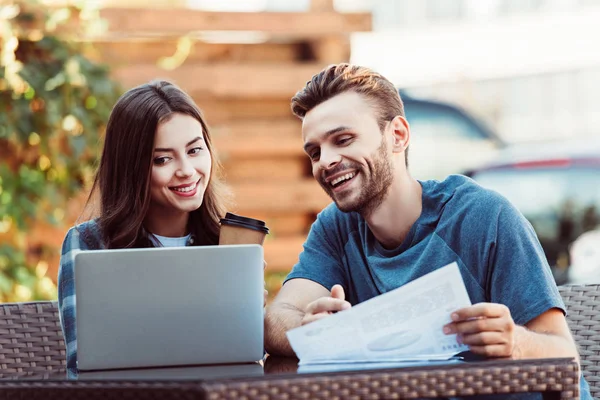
x: 123, y: 177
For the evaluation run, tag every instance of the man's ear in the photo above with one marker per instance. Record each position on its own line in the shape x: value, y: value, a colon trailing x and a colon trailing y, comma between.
x: 400, y: 134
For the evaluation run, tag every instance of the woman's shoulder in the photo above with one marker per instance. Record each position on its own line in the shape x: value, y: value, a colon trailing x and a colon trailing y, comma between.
x: 84, y: 236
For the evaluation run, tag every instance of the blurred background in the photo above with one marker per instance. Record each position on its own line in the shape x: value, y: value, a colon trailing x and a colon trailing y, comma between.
x: 504, y: 91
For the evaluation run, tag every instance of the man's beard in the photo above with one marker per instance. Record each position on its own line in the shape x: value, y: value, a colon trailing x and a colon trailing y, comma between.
x: 376, y: 185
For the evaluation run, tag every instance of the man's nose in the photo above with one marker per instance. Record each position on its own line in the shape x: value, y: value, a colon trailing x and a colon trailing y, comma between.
x: 329, y: 158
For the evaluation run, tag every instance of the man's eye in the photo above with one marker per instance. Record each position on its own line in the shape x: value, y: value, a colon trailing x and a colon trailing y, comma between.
x: 343, y: 141
x: 160, y: 160
x: 195, y: 150
x: 314, y: 155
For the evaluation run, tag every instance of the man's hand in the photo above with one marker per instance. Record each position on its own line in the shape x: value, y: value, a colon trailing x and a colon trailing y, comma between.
x: 487, y: 328
x: 326, y: 306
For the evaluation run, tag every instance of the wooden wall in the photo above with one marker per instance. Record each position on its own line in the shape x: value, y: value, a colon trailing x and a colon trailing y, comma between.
x: 244, y: 91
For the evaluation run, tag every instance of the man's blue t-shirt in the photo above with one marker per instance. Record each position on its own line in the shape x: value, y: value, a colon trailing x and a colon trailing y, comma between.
x: 495, y: 247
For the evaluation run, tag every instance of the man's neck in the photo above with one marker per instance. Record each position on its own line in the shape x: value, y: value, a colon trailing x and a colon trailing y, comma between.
x: 392, y: 220
x: 167, y: 224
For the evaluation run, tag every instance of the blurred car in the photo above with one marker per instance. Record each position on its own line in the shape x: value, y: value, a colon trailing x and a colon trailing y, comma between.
x: 556, y: 186
x: 585, y: 258
x: 445, y: 139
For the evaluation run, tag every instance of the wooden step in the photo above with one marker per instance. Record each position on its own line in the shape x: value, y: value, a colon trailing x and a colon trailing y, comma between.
x: 304, y: 195
x: 225, y: 79
x: 284, y: 225
x: 259, y: 139
x: 180, y: 21
x: 148, y: 51
x: 281, y: 254
x: 225, y: 110
x: 240, y: 128
x: 259, y: 170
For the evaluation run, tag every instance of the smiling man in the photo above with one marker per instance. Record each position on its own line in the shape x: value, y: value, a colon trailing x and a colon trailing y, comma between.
x: 385, y: 229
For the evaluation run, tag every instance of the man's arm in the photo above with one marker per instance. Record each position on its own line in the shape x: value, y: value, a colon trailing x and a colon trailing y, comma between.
x: 488, y: 329
x: 299, y: 301
x: 546, y: 336
x: 519, y: 285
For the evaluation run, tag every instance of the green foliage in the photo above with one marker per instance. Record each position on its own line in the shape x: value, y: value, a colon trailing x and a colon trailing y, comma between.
x: 54, y: 104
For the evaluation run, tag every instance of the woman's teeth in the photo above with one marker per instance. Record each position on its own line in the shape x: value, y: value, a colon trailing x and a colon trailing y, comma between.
x: 186, y: 189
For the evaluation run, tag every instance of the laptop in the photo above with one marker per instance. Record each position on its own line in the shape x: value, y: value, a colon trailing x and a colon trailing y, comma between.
x: 224, y: 371
x: 161, y: 307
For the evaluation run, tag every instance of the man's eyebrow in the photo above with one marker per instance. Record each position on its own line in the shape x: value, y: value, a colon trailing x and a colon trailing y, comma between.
x: 191, y: 142
x: 326, y: 134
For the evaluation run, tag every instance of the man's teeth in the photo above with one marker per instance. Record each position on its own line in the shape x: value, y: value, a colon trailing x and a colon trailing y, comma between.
x: 186, y: 189
x: 342, y: 178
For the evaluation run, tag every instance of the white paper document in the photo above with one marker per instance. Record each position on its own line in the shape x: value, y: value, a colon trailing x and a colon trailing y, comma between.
x: 401, y: 325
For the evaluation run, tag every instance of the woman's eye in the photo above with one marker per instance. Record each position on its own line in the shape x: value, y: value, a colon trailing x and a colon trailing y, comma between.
x: 195, y: 150
x: 160, y: 160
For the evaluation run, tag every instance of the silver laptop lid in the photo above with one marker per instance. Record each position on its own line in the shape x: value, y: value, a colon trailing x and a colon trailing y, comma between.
x: 169, y: 306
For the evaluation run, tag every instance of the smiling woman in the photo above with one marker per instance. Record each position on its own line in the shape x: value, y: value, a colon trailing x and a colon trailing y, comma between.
x: 158, y: 185
x: 181, y: 170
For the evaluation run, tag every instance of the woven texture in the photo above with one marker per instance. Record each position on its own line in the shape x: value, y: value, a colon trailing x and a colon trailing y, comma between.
x: 31, y: 339
x: 583, y: 306
x: 78, y: 390
x: 458, y: 380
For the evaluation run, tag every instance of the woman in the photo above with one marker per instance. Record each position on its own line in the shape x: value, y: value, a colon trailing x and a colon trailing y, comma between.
x: 158, y: 185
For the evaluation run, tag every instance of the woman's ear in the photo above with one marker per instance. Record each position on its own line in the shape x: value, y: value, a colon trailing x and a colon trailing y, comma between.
x: 400, y: 134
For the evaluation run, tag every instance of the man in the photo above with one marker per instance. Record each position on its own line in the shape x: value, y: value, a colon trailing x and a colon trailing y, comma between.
x: 385, y: 229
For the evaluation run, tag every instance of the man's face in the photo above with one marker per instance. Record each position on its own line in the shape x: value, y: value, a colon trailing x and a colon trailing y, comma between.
x: 349, y: 155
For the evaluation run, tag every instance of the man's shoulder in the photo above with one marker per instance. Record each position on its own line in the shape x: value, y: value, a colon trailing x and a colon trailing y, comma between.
x: 464, y: 193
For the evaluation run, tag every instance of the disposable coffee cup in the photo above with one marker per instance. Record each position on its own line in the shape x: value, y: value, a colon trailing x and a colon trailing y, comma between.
x: 236, y: 229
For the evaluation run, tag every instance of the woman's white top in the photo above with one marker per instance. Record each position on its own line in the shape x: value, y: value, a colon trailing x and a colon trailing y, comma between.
x: 173, y: 241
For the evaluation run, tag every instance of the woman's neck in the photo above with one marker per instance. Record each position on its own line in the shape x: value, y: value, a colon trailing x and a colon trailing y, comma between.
x: 167, y: 225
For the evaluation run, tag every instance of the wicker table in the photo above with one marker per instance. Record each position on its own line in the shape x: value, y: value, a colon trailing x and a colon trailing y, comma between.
x: 554, y: 378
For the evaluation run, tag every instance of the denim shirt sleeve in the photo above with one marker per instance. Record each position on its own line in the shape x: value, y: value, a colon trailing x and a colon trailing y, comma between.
x: 72, y: 244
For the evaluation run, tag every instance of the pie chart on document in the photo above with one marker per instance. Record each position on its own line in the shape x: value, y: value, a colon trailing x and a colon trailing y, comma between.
x: 394, y: 341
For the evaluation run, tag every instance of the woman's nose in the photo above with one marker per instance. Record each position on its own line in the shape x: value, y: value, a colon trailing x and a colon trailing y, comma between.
x: 185, y: 168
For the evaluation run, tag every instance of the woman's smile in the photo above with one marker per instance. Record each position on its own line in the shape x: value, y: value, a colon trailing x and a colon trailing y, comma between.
x: 186, y: 190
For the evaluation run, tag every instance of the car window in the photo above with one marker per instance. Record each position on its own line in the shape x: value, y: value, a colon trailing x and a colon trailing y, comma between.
x: 428, y: 120
x: 560, y: 203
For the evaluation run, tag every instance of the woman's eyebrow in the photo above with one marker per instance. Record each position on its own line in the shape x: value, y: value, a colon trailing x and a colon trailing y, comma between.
x: 167, y: 149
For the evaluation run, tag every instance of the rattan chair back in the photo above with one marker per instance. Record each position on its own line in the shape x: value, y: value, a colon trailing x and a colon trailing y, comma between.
x: 583, y: 315
x: 31, y: 339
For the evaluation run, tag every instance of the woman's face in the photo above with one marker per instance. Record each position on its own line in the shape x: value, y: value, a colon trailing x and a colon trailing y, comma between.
x: 181, y: 166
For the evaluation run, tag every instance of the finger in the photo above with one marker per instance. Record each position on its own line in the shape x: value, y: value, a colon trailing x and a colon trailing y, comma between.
x: 484, y: 339
x: 264, y: 264
x: 480, y: 325
x: 337, y: 292
x: 308, y: 318
x: 495, y: 350
x: 327, y: 304
x: 489, y: 310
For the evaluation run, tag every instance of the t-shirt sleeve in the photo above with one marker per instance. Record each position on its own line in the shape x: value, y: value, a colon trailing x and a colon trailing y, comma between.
x: 520, y: 275
x: 321, y: 258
